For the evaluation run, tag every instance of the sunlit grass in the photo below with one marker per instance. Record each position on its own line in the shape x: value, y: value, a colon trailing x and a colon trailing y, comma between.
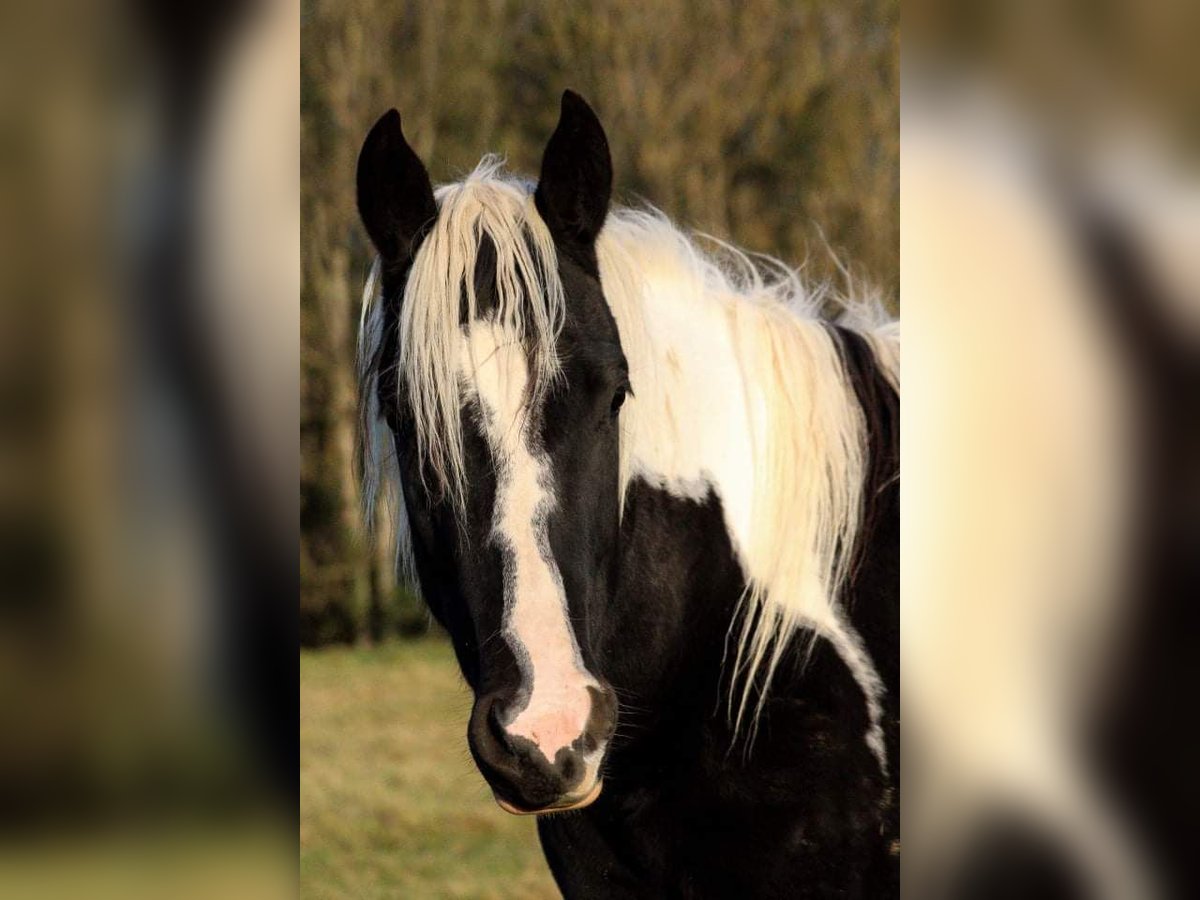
x: 391, y: 804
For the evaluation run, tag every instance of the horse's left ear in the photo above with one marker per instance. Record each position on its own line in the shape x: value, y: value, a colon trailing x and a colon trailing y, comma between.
x: 576, y: 183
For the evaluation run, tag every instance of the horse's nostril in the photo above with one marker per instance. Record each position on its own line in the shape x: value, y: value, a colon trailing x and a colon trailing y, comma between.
x: 602, y: 719
x: 497, y: 728
x: 570, y: 766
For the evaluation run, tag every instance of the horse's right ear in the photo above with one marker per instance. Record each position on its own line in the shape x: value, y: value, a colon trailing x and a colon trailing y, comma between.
x: 395, y: 197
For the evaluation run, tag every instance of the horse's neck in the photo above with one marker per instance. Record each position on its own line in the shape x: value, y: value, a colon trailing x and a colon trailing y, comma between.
x: 663, y: 635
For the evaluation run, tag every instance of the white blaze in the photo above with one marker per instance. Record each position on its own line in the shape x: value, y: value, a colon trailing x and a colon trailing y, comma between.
x: 536, y: 620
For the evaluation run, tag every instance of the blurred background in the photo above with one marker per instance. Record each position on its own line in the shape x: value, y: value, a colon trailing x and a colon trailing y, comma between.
x: 771, y: 124
x: 149, y: 314
x: 1050, y: 270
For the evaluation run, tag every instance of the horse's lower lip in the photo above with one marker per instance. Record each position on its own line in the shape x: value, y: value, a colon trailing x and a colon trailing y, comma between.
x: 578, y: 803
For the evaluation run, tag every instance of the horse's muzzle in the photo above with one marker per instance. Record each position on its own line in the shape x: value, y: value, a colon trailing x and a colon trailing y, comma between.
x: 524, y: 780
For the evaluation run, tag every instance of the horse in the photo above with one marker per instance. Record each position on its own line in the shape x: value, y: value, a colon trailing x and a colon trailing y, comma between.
x: 652, y: 495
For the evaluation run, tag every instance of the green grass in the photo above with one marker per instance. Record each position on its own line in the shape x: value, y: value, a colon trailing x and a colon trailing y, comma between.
x: 391, y: 804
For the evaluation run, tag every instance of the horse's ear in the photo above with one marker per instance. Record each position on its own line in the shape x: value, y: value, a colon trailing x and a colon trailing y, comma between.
x: 395, y: 197
x: 576, y: 183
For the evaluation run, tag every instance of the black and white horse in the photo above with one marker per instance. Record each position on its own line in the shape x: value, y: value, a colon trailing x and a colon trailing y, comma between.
x: 653, y: 497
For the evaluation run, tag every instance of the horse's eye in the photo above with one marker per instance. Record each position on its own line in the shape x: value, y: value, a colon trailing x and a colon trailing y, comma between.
x: 618, y: 400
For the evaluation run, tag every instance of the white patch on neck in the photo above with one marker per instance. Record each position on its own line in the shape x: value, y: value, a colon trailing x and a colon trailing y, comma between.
x: 536, y: 618
x: 739, y: 390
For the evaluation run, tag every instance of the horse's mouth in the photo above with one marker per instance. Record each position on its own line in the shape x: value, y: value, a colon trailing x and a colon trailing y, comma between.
x: 566, y: 804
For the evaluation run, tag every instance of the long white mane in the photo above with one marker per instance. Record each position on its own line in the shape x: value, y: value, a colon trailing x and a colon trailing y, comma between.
x: 803, y: 495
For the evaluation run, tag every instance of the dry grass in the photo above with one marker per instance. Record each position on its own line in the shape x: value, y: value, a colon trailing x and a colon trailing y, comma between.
x: 390, y: 803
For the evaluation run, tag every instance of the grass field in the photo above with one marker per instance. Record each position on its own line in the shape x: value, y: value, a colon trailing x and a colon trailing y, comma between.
x: 391, y: 804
